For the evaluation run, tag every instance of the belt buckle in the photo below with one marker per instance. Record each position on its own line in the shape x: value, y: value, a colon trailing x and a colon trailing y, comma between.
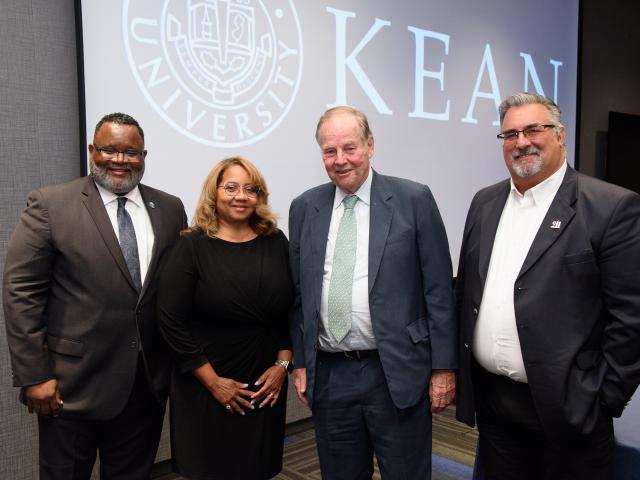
x: 353, y: 354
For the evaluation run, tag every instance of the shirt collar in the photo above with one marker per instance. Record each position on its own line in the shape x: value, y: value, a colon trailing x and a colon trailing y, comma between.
x: 363, y: 193
x: 107, y: 197
x: 544, y: 189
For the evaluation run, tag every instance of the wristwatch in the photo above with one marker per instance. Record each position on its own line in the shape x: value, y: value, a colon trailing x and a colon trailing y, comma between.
x: 288, y: 366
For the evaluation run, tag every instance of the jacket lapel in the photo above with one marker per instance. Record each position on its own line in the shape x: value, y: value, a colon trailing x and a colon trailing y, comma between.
x: 154, y: 209
x: 556, y: 220
x: 379, y: 224
x: 320, y: 220
x: 93, y: 203
x: 489, y: 220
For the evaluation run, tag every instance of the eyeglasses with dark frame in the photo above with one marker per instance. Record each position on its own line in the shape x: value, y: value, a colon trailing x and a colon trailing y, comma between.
x: 232, y: 189
x: 109, y: 153
x: 530, y: 133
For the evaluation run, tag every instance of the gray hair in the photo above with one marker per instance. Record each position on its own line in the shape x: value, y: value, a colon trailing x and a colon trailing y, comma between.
x: 119, y: 119
x: 361, y: 118
x: 527, y: 98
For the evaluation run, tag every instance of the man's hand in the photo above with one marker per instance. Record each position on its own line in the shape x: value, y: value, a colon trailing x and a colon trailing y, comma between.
x: 44, y: 398
x: 300, y: 382
x: 442, y: 389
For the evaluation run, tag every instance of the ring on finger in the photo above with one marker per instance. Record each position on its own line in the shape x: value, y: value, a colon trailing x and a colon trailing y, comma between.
x: 227, y: 406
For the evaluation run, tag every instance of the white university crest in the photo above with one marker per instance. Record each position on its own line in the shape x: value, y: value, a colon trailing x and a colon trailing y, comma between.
x: 222, y: 72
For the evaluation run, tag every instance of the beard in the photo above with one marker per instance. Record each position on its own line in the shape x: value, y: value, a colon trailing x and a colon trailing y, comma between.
x: 527, y: 168
x: 100, y: 175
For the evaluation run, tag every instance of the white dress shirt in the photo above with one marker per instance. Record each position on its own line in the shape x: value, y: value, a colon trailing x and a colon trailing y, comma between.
x: 360, y: 337
x: 496, y: 345
x: 140, y: 219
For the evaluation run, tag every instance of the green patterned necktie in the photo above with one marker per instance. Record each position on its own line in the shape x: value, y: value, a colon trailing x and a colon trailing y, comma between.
x: 344, y: 261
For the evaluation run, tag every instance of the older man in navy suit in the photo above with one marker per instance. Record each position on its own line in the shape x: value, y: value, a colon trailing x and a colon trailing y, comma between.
x: 373, y: 329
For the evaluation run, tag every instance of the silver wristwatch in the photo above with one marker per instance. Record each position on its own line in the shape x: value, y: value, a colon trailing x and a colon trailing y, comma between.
x: 288, y: 366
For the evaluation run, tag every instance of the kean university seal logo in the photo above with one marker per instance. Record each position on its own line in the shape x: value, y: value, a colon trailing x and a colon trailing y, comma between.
x: 222, y: 72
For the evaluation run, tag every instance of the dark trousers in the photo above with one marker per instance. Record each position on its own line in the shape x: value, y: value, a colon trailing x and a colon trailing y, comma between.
x: 354, y: 417
x: 513, y: 445
x: 127, y: 443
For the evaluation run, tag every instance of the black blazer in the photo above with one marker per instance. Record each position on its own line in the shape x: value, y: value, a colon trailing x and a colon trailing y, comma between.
x: 577, y: 301
x: 71, y: 310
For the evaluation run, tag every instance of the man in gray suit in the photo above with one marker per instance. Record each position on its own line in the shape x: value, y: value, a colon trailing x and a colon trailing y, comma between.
x: 373, y: 327
x: 80, y: 308
x: 548, y: 293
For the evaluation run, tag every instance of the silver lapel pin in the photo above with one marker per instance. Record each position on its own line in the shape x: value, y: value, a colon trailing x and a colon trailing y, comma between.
x: 556, y: 224
x: 152, y: 205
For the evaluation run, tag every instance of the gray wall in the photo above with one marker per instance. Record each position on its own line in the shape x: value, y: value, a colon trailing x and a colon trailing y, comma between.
x: 39, y: 137
x: 39, y: 145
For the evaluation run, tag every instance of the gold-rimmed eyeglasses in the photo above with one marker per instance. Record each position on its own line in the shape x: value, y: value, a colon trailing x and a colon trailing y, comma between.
x: 232, y: 189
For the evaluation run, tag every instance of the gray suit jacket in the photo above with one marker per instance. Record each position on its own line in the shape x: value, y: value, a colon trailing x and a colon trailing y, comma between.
x: 410, y: 283
x: 577, y: 301
x: 72, y: 312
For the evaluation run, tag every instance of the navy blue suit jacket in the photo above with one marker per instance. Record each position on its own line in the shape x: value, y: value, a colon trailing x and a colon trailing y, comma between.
x: 410, y: 283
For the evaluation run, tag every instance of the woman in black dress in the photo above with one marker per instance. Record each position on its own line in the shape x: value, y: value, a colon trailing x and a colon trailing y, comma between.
x: 223, y: 303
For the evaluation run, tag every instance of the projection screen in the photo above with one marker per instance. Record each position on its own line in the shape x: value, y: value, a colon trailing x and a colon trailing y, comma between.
x: 209, y: 79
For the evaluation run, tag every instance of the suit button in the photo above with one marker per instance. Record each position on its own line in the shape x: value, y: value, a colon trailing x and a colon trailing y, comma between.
x: 133, y: 344
x: 475, y: 311
x: 466, y: 345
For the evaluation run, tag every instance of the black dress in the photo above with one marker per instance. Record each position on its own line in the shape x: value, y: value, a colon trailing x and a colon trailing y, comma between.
x: 225, y: 303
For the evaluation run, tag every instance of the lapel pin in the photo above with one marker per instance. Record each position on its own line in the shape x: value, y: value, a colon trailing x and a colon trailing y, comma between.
x: 152, y: 205
x: 556, y: 224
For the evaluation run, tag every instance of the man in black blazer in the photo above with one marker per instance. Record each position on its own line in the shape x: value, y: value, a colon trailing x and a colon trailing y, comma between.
x: 80, y: 308
x: 548, y: 293
x: 373, y: 387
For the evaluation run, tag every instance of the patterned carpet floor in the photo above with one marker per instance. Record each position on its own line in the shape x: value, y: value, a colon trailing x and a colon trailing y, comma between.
x: 454, y: 447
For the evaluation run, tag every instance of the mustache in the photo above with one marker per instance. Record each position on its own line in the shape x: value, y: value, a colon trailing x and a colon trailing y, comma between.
x: 517, y: 153
x: 118, y: 166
